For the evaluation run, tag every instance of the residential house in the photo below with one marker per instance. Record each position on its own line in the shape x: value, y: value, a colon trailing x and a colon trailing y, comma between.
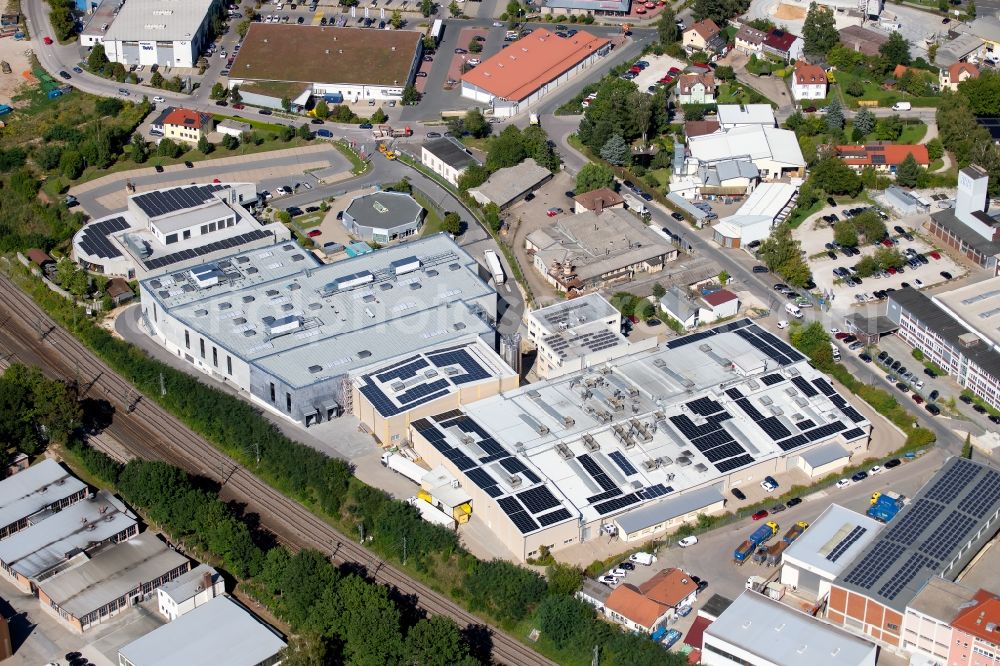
x: 447, y: 158
x: 119, y: 292
x: 696, y: 89
x: 949, y: 77
x: 884, y: 158
x: 783, y: 44
x: 976, y: 632
x: 691, y: 311
x: 808, y: 81
x: 597, y: 200
x: 186, y: 125
x: 647, y: 607
x: 704, y: 36
x: 750, y: 41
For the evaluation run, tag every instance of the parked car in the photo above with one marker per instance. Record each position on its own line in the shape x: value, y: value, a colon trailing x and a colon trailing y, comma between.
x: 777, y: 508
x: 895, y: 462
x: 760, y: 515
x: 761, y: 269
x: 946, y: 275
x: 738, y: 494
x: 769, y: 484
x: 626, y: 565
x: 608, y: 580
x: 795, y: 501
x: 314, y: 233
x: 552, y: 212
x: 671, y: 638
x: 932, y: 408
x: 843, y: 483
x: 618, y: 573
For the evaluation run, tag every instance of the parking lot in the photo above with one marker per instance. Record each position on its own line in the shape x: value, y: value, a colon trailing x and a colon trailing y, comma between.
x: 659, y: 66
x: 816, y: 235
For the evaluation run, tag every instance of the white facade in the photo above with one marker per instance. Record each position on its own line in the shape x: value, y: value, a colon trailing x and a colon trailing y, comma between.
x: 187, y: 592
x: 446, y: 158
x: 157, y: 32
x: 808, y: 90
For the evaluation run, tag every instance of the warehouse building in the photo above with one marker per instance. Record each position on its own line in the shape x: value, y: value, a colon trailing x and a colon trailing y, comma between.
x: 775, y: 152
x: 447, y: 157
x: 594, y: 250
x: 950, y: 520
x: 168, y: 33
x: 758, y: 631
x: 531, y: 68
x: 509, y: 185
x: 43, y: 488
x: 53, y: 539
x: 188, y: 591
x: 219, y: 632
x: 765, y: 208
x: 114, y: 580
x: 383, y: 217
x: 292, y: 332
x: 173, y: 228
x: 815, y: 559
x: 300, y: 62
x: 638, y: 445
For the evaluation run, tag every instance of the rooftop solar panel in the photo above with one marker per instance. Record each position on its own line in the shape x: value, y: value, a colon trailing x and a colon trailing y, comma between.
x: 553, y: 517
x: 623, y: 464
x: 845, y: 543
x: 617, y: 503
x: 538, y: 500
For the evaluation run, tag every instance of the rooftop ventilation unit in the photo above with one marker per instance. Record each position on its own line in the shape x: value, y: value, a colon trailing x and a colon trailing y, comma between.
x: 765, y: 400
x: 705, y: 347
x: 564, y: 451
x: 650, y: 464
x: 284, y: 325
x: 590, y: 443
x: 514, y: 481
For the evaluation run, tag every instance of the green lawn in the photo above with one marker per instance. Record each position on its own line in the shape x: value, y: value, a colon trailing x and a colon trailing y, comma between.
x: 799, y: 216
x: 731, y: 93
x: 874, y: 91
x: 913, y: 133
x: 662, y: 176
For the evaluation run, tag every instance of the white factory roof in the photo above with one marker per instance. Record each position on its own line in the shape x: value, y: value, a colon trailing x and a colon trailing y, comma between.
x: 56, y: 536
x: 756, y: 142
x: 111, y: 574
x: 220, y: 631
x: 26, y: 493
x: 283, y: 311
x: 977, y: 307
x: 745, y: 114
x: 648, y: 425
x: 579, y: 326
x: 784, y: 636
x: 832, y: 541
x: 158, y: 20
x: 763, y: 205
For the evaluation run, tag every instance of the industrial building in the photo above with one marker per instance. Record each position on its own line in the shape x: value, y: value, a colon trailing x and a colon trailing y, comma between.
x: 831, y: 543
x: 292, y: 333
x: 577, y: 334
x: 188, y: 591
x: 594, y: 250
x: 775, y: 152
x: 520, y: 75
x: 949, y: 521
x: 638, y: 445
x: 221, y: 631
x: 299, y: 62
x: 970, y: 227
x: 447, y: 158
x: 509, y: 185
x: 383, y: 217
x: 168, y: 33
x: 114, y: 579
x: 758, y: 631
x: 53, y: 539
x: 174, y: 228
x: 40, y: 490
x: 954, y: 342
x: 766, y: 207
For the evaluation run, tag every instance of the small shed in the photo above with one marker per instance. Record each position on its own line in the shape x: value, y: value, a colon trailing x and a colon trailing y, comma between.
x: 119, y: 291
x: 41, y: 259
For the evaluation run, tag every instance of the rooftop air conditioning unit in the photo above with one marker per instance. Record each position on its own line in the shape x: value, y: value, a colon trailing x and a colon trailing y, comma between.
x: 564, y: 451
x: 514, y: 481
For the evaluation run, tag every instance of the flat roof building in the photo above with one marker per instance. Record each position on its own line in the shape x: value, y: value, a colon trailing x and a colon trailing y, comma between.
x: 113, y: 580
x: 530, y: 68
x: 775, y: 152
x: 52, y: 539
x: 173, y: 228
x: 951, y: 518
x: 168, y: 33
x: 189, y: 590
x: 766, y: 207
x: 221, y: 631
x: 383, y: 217
x: 293, y: 332
x: 45, y: 487
x: 593, y: 250
x: 507, y: 186
x: 759, y: 631
x: 977, y: 307
x: 823, y: 551
x: 970, y: 227
x: 953, y: 344
x: 640, y: 444
x: 927, y: 630
x: 731, y: 116
x: 297, y: 61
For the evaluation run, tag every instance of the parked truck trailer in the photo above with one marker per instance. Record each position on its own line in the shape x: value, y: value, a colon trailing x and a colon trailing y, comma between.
x: 431, y: 513
x: 496, y: 268
x: 403, y: 465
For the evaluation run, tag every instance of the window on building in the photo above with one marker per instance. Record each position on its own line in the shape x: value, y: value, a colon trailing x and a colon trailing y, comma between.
x: 272, y: 391
x: 187, y: 234
x: 187, y: 339
x: 171, y: 238
x: 229, y: 365
x: 201, y: 345
x: 215, y: 357
x: 288, y: 402
x: 154, y: 313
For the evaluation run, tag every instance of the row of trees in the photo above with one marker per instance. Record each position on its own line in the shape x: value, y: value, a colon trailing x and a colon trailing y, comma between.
x: 35, y: 410
x: 867, y: 225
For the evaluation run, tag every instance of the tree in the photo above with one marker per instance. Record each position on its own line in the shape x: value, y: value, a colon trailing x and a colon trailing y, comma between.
x: 230, y: 142
x: 908, y: 172
x: 659, y: 290
x: 473, y: 176
x: 492, y: 213
x: 396, y: 19
x: 889, y: 129
x: 564, y: 578
x: 97, y: 59
x: 410, y: 95
x: 369, y: 622
x: 218, y: 91
x: 452, y: 223
x: 723, y: 277
x: 286, y: 133
x: 436, y: 641
x: 983, y: 93
x: 234, y: 95
x: 156, y: 80
x: 109, y: 106
x: 834, y: 177
x: 782, y: 254
x: 593, y: 176
x: 616, y: 151
x: 934, y: 148
x: 168, y: 148
x: 666, y: 27
x: 426, y: 7
x: 845, y: 234
x: 304, y: 132
x: 835, y: 116
x: 454, y: 9
x: 321, y: 110
x: 47, y: 157
x: 139, y: 149
x: 505, y: 590
x: 71, y: 164
x: 864, y: 122
x: 304, y: 649
x: 506, y: 150
x: 564, y: 619
x: 725, y: 73
x: 819, y: 32
x: 286, y: 104
x: 204, y: 145
x: 855, y: 88
x: 967, y: 446
x: 894, y: 51
x: 813, y: 341
x: 476, y: 124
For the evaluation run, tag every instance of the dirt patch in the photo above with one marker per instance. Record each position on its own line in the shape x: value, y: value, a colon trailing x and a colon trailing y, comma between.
x: 17, y: 54
x: 790, y: 12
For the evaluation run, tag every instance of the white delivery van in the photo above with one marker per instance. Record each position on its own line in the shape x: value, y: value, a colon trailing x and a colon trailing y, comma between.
x: 902, y: 106
x: 793, y: 309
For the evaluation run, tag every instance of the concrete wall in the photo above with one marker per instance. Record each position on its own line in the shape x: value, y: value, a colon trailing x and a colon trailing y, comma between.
x: 864, y: 616
x: 927, y: 636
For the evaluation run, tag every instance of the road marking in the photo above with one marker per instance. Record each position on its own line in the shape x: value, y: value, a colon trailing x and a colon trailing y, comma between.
x: 317, y: 16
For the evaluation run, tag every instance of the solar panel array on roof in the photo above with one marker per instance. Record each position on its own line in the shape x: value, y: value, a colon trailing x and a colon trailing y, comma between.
x: 698, y: 337
x: 462, y: 358
x: 223, y: 244
x: 623, y: 464
x: 715, y: 443
x: 94, y: 239
x: 155, y: 204
x: 933, y: 530
x: 770, y: 345
x: 846, y: 543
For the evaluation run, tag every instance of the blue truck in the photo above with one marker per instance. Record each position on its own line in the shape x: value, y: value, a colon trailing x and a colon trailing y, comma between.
x: 746, y: 549
x: 885, y: 506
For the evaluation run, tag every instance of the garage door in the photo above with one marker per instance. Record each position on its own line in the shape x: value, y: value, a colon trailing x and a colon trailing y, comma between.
x: 809, y: 582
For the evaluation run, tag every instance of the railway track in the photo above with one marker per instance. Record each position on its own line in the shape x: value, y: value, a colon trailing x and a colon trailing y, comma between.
x: 28, y: 335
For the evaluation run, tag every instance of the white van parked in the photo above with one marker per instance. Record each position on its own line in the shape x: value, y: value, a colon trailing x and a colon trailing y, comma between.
x: 835, y: 352
x: 793, y: 309
x: 902, y: 106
